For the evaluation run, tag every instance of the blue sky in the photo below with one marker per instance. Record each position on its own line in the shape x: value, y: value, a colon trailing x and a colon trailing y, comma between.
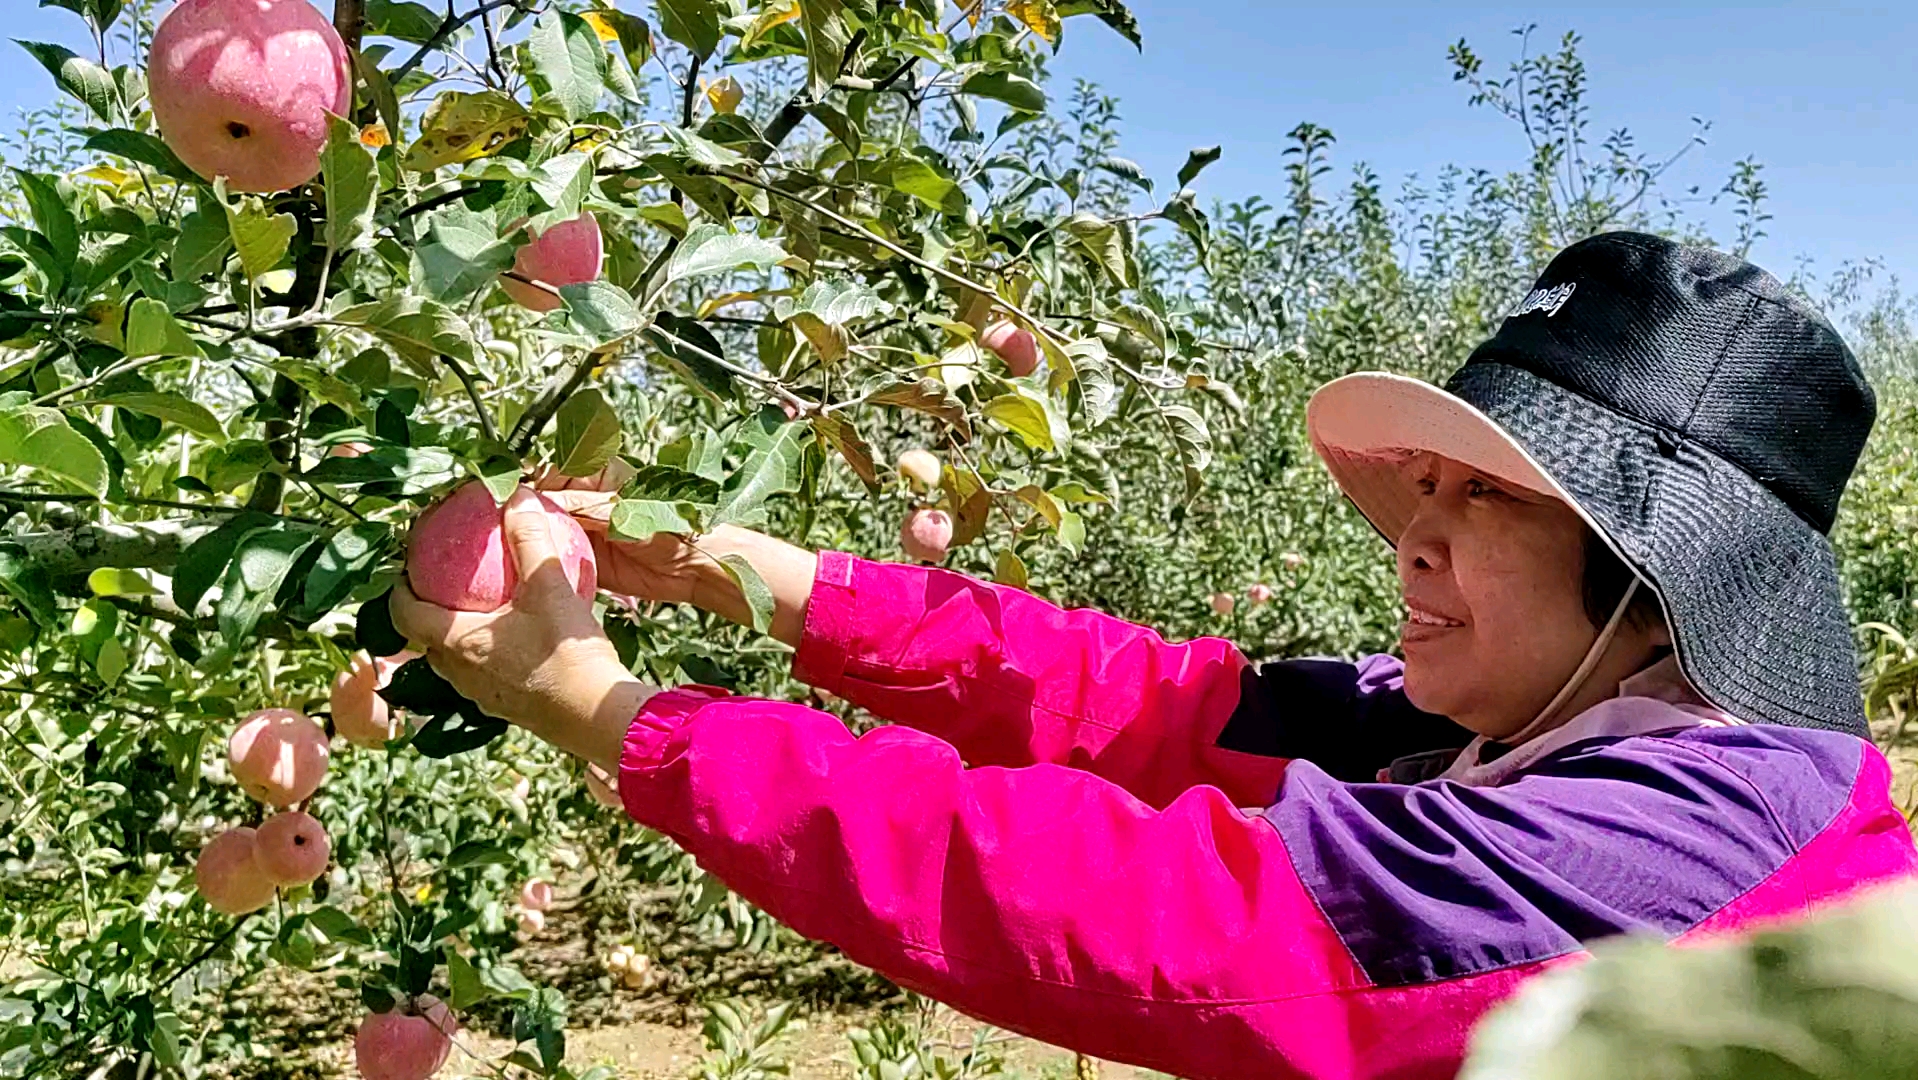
x: 1822, y: 94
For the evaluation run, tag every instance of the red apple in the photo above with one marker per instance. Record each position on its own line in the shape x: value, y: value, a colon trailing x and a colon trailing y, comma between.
x: 1018, y: 348
x: 926, y: 535
x: 457, y: 556
x: 566, y: 254
x: 241, y: 88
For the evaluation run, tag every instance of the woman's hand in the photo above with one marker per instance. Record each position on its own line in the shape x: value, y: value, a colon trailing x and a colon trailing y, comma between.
x: 541, y: 661
x: 669, y: 569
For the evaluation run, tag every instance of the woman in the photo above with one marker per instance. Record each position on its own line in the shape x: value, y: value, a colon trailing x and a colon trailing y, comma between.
x: 1628, y: 702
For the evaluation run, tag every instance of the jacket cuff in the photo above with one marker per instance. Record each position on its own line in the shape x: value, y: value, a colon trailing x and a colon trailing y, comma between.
x: 661, y: 718
x: 831, y: 630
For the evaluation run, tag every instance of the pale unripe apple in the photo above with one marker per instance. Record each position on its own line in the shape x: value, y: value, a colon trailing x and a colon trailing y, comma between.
x: 278, y: 756
x: 457, y: 555
x: 566, y: 254
x: 536, y: 895
x: 1259, y: 593
x: 1018, y: 348
x: 241, y: 89
x: 228, y: 873
x: 360, y: 715
x: 921, y: 468
x: 409, y: 1045
x: 531, y: 922
x: 1292, y: 560
x: 639, y: 967
x: 349, y: 449
x: 292, y: 848
x: 1223, y: 603
x: 604, y: 789
x: 926, y: 535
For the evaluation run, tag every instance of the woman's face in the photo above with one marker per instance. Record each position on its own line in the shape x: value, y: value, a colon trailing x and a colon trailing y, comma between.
x: 1493, y: 576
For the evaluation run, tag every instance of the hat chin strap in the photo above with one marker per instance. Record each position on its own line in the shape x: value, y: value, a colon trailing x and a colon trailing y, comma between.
x: 1543, y: 721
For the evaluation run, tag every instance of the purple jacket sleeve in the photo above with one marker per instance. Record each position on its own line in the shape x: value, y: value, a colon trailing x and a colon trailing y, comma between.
x: 1009, y: 679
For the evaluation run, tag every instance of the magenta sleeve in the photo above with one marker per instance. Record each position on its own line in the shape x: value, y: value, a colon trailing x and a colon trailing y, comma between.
x: 1041, y: 899
x: 1011, y: 680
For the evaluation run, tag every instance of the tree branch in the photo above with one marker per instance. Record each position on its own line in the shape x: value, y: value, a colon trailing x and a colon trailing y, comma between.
x: 448, y: 27
x: 349, y: 18
x: 134, y: 545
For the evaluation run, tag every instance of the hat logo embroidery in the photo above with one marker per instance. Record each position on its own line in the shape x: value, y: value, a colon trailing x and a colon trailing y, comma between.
x: 1546, y: 300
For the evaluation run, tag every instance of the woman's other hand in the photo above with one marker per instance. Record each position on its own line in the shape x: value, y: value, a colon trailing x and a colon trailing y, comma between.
x: 542, y: 661
x: 669, y: 569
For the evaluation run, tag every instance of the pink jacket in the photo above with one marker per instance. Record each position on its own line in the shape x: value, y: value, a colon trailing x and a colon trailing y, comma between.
x: 1056, y: 838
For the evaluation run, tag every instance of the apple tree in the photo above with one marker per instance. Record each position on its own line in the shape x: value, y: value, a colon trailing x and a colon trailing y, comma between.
x: 814, y: 241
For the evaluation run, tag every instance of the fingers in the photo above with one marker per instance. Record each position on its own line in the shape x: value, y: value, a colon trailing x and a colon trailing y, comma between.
x: 592, y: 509
x: 529, y: 536
x: 428, y: 625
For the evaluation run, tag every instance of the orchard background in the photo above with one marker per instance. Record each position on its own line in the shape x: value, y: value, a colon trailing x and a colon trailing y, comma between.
x: 811, y: 210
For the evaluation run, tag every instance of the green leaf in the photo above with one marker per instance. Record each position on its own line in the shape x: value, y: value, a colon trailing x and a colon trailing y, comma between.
x: 142, y: 147
x: 687, y: 345
x: 28, y: 584
x: 1829, y: 997
x: 203, y: 244
x: 115, y: 581
x: 1126, y: 170
x: 602, y: 310
x: 1030, y: 416
x: 78, y: 76
x: 771, y: 469
x: 203, y: 561
x: 565, y: 63
x: 635, y: 37
x: 419, y: 330
x: 167, y: 405
x: 1092, y: 371
x: 563, y: 184
x: 352, y: 182
x: 501, y: 475
x: 1017, y: 91
x: 715, y: 249
x: 462, y: 255
x: 373, y: 629
x: 54, y: 219
x: 759, y: 598
x: 1194, y: 443
x: 344, y: 563
x: 1196, y: 161
x: 588, y: 432
x: 640, y: 519
x: 40, y: 439
x: 693, y: 23
x: 464, y: 982
x: 920, y: 180
x: 1181, y: 210
x: 1009, y: 569
x: 1111, y: 12
x: 406, y: 21
x: 260, y: 238
x: 153, y: 331
x: 478, y: 853
x: 452, y: 733
x: 827, y: 35
x: 261, y: 561
x: 844, y: 437
x: 1107, y: 244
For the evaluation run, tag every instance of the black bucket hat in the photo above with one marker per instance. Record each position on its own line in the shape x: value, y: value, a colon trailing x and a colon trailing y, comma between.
x: 1703, y: 421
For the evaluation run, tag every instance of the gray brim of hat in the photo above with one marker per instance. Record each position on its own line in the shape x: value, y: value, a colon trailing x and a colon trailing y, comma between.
x: 1750, y: 589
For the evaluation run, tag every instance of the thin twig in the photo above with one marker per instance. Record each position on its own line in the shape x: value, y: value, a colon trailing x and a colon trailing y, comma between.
x: 448, y: 27
x: 472, y: 394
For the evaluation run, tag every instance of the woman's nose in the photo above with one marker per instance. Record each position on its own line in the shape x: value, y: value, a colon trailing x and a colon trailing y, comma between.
x: 1422, y: 546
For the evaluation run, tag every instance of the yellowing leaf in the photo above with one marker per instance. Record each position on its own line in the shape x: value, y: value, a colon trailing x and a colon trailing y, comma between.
x: 375, y: 136
x: 1039, y: 16
x: 725, y: 95
x: 461, y: 127
x: 601, y: 25
x: 776, y: 14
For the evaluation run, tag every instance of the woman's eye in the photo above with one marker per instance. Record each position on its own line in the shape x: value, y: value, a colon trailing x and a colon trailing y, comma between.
x: 1479, y: 489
